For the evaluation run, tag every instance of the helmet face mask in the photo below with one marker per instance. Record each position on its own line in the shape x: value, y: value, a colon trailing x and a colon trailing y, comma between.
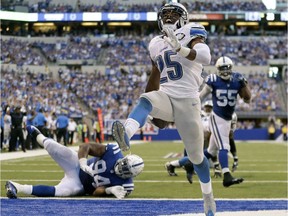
x: 173, y: 15
x: 128, y: 167
x: 224, y: 66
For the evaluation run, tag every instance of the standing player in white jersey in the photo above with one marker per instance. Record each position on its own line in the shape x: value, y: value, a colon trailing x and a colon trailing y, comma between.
x: 225, y: 86
x: 172, y: 92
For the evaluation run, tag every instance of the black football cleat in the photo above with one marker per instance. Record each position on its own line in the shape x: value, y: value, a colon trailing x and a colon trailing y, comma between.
x: 11, y: 191
x: 120, y: 136
x: 230, y: 180
x: 189, y: 177
x: 170, y: 169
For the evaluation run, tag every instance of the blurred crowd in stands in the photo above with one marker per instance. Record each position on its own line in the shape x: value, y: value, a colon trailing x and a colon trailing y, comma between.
x: 50, y: 6
x: 127, y: 50
x: 115, y: 93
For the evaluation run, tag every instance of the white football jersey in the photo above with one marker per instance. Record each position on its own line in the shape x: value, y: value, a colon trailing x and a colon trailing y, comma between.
x: 180, y: 77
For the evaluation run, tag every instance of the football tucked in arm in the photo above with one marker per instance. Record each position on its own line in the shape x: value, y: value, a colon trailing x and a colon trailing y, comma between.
x: 159, y: 123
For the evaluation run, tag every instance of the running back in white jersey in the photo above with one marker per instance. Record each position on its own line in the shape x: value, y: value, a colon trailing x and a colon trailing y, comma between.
x: 179, y: 80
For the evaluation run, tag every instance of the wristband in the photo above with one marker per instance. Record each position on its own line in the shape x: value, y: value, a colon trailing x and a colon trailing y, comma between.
x: 108, y: 190
x: 83, y: 162
x: 184, y: 51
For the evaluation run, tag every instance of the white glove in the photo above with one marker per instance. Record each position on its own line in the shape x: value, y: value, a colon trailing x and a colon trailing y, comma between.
x: 171, y: 38
x: 85, y: 167
x: 118, y: 191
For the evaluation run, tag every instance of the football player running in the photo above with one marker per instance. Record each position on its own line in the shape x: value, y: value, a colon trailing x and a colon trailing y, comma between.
x: 107, y: 173
x: 224, y: 86
x: 172, y: 91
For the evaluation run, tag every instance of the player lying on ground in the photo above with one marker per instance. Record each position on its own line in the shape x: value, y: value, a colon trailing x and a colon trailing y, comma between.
x: 108, y: 172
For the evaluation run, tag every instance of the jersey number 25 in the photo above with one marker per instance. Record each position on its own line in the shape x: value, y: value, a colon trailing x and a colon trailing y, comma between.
x: 174, y: 68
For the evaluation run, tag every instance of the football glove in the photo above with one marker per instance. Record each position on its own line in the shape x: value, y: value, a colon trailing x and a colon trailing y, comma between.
x: 171, y: 38
x: 118, y: 191
x: 242, y: 80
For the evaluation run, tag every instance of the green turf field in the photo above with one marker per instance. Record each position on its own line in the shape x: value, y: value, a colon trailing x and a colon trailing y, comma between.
x: 262, y: 165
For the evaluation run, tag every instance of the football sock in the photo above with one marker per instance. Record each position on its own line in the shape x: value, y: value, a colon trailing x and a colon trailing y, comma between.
x: 232, y: 146
x: 141, y: 111
x: 40, y: 139
x: 175, y: 163
x: 43, y: 191
x: 203, y: 170
x: 223, y: 159
x: 183, y: 161
x: 26, y: 189
x: 131, y: 127
x: 207, y: 154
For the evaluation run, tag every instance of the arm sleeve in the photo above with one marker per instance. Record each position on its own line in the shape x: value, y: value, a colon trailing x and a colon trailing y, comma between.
x: 203, y: 55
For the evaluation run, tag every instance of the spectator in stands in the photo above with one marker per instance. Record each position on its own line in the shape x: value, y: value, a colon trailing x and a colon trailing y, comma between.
x: 72, y: 127
x: 17, y: 130
x: 29, y: 142
x: 62, y: 122
x: 284, y: 130
x: 271, y: 130
x: 2, y: 128
x: 40, y: 121
x: 85, y: 132
x: 97, y: 131
x: 7, y: 127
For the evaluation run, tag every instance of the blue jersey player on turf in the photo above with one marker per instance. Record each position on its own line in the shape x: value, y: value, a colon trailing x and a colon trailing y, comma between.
x: 107, y: 172
x: 224, y: 86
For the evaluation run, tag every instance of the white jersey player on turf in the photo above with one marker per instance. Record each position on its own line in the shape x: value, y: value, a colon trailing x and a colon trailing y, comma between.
x: 172, y: 91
